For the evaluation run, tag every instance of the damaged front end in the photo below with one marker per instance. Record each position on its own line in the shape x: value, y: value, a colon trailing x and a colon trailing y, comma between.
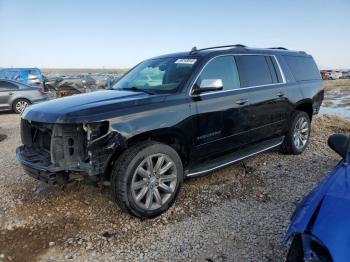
x: 52, y: 152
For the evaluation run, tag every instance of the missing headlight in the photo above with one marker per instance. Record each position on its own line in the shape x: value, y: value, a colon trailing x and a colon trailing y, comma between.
x: 96, y: 130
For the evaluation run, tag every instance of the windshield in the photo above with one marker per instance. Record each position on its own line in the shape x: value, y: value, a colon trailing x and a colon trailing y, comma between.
x: 160, y: 75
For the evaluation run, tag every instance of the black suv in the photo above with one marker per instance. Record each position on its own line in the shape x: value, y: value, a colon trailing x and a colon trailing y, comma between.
x: 172, y: 117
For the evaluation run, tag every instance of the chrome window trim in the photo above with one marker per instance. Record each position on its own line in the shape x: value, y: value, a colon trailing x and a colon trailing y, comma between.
x: 242, y: 88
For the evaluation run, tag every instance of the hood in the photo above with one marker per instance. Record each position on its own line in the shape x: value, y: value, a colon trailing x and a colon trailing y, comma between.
x: 89, y: 107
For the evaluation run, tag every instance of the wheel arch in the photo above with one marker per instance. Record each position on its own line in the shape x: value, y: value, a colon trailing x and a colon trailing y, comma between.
x: 305, y: 106
x: 16, y: 98
x: 299, y: 241
x: 168, y: 136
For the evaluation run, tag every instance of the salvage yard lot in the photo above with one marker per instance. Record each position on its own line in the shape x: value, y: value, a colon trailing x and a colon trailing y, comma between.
x: 216, y: 217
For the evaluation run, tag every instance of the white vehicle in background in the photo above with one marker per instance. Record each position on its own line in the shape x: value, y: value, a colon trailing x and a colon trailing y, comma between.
x: 333, y: 75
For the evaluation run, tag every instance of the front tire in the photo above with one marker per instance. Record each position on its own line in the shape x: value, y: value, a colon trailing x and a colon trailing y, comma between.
x: 297, y: 138
x: 20, y: 105
x: 146, y: 179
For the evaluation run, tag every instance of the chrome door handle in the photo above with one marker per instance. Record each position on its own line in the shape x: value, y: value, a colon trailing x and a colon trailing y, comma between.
x: 241, y: 101
x: 280, y: 94
x: 10, y: 93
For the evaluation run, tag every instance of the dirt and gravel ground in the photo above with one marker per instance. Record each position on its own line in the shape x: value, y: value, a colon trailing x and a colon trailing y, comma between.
x: 216, y: 217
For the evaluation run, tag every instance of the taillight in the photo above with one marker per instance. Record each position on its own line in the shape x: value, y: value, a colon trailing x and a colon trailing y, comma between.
x: 41, y: 91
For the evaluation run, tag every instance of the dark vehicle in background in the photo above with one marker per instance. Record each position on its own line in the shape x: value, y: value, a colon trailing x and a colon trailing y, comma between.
x: 29, y: 76
x: 320, y: 225
x: 106, y: 81
x: 70, y: 85
x: 17, y: 96
x: 172, y: 117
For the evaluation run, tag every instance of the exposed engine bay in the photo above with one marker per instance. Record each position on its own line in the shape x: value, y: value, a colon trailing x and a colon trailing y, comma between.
x: 67, y: 148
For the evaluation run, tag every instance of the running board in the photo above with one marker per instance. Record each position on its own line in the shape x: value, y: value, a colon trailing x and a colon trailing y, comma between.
x: 225, y: 160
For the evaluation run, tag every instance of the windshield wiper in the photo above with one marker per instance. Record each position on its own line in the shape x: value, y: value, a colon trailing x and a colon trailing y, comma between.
x: 134, y: 88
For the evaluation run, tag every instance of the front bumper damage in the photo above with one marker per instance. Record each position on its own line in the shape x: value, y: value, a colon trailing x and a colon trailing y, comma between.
x: 51, y: 152
x: 33, y: 165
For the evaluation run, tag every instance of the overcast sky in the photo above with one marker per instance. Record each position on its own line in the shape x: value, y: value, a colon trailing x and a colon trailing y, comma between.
x: 115, y: 34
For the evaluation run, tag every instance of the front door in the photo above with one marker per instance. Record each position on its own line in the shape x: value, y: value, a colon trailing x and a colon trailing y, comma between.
x: 221, y: 120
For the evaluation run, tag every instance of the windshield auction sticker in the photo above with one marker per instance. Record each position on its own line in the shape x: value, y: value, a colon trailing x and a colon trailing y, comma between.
x: 186, y: 61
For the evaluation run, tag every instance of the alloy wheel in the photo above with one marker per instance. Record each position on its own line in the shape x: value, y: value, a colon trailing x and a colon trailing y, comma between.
x: 154, y: 181
x: 21, y: 105
x: 301, y: 133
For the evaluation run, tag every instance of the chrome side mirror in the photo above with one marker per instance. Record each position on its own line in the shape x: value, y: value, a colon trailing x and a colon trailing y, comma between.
x: 209, y: 85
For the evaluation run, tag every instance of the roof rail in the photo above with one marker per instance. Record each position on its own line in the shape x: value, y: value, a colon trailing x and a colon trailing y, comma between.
x: 282, y: 48
x: 194, y: 49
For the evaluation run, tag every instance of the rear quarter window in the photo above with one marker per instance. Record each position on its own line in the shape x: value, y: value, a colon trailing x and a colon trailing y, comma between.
x: 303, y: 68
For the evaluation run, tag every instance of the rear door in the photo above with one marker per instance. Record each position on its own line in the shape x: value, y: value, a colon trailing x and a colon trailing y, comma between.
x: 268, y: 111
x: 7, y: 90
x: 221, y: 122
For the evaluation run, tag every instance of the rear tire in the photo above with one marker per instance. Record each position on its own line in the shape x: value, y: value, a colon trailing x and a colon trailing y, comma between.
x: 146, y: 179
x: 298, y: 135
x: 20, y: 105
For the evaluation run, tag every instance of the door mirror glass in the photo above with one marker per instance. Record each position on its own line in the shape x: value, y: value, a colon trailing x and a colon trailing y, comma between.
x: 339, y: 143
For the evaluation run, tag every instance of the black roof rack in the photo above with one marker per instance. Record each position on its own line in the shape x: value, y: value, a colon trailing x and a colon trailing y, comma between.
x: 282, y: 48
x: 194, y: 49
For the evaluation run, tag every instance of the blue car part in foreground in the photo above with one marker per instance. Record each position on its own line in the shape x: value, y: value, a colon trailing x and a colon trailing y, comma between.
x: 320, y: 225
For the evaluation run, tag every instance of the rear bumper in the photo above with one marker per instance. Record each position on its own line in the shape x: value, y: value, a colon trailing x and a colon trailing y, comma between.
x: 38, y: 171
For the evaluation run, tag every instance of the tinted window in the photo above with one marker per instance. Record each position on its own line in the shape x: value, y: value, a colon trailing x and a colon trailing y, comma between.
x: 7, y: 85
x: 303, y: 68
x: 254, y: 70
x: 223, y: 68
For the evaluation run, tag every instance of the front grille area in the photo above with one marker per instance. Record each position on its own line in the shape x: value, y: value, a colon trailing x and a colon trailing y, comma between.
x: 58, y: 145
x: 64, y: 147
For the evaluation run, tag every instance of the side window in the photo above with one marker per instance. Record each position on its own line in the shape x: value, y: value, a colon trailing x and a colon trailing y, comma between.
x: 4, y: 85
x: 224, y: 68
x: 303, y: 68
x: 255, y: 70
